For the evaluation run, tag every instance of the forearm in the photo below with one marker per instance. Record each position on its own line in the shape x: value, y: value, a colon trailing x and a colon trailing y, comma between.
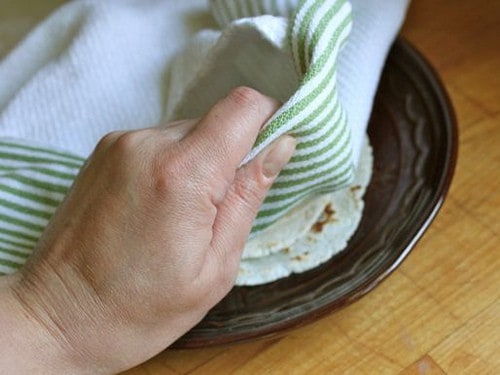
x: 26, y: 347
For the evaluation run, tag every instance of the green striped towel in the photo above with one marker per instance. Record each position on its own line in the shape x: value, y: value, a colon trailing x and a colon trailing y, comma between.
x: 316, y: 32
x: 33, y: 182
x: 34, y: 179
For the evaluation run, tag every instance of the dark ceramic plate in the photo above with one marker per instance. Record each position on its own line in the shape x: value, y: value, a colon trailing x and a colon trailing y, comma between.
x: 414, y: 136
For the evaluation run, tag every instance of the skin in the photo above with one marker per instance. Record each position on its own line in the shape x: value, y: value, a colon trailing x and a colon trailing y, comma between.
x: 148, y: 240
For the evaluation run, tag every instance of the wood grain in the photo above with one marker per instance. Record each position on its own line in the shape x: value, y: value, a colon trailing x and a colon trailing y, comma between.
x: 439, y: 313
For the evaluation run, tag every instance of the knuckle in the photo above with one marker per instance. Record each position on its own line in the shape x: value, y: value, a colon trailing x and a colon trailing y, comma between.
x: 248, y: 192
x: 246, y: 97
x: 172, y: 175
x: 108, y: 140
x: 127, y: 142
x: 162, y: 184
x: 166, y: 177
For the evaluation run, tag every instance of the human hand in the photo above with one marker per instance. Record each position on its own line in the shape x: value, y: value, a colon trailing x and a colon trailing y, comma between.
x: 147, y: 241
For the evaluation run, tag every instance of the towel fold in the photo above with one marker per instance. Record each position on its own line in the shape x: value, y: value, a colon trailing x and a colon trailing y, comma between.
x: 96, y: 66
x: 295, y: 61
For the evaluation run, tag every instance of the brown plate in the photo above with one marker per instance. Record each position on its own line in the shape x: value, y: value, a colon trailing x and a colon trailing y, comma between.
x: 414, y: 136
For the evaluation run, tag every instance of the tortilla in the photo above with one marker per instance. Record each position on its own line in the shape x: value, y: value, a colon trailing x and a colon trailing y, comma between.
x: 287, y: 230
x: 321, y: 239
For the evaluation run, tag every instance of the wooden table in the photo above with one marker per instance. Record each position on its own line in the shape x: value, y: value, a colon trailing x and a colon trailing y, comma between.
x: 439, y: 313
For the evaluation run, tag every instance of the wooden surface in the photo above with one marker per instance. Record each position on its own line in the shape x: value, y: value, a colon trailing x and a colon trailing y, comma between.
x: 439, y: 313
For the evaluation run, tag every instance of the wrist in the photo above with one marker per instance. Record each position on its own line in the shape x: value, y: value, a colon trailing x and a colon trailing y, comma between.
x: 27, y: 343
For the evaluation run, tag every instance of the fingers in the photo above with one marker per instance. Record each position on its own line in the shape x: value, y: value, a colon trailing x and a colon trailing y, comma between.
x: 243, y: 200
x: 229, y: 130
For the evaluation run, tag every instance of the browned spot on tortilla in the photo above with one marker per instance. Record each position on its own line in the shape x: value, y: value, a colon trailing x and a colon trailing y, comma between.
x: 329, y: 211
x: 300, y: 258
x: 327, y: 217
x: 355, y: 188
x: 286, y: 250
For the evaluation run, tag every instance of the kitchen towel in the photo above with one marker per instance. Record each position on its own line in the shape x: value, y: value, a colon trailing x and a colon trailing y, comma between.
x: 62, y: 85
x: 295, y: 61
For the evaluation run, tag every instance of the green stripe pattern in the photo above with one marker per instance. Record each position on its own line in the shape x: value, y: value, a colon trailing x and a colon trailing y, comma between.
x: 314, y: 115
x: 34, y: 180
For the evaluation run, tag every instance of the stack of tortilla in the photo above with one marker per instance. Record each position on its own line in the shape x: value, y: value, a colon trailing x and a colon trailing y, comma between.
x: 308, y: 235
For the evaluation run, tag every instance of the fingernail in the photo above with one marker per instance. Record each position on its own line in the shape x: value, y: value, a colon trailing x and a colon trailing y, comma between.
x: 278, y: 155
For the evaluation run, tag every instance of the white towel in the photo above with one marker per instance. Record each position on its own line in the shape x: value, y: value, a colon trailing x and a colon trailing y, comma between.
x: 92, y: 67
x: 101, y: 65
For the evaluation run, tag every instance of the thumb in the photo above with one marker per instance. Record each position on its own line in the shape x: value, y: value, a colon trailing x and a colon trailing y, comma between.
x: 242, y: 202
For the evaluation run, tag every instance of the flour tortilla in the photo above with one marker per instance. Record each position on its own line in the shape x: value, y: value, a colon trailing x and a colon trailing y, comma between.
x: 287, y: 230
x: 318, y: 240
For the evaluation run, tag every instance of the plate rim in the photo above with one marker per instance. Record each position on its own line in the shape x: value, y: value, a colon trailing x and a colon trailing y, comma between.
x: 281, y: 328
